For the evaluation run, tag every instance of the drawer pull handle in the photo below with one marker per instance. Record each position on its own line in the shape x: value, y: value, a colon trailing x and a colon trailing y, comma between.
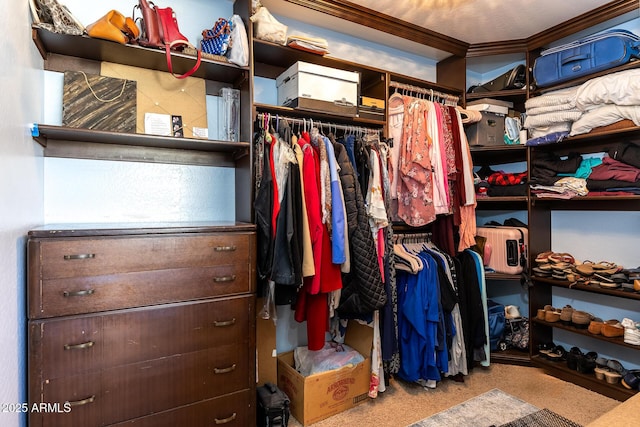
x: 80, y: 256
x: 80, y: 346
x: 225, y: 248
x: 83, y: 293
x: 83, y: 401
x: 220, y: 324
x: 224, y: 370
x: 225, y: 420
x: 229, y: 278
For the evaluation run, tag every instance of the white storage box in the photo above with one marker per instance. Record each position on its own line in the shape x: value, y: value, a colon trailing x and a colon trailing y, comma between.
x: 318, y: 88
x: 490, y: 105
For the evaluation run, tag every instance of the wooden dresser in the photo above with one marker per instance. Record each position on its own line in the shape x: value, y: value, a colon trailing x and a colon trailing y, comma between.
x: 148, y: 326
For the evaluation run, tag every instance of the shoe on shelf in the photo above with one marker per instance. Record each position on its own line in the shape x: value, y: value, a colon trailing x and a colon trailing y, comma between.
x: 595, y: 326
x: 581, y: 319
x: 631, y: 380
x: 557, y: 354
x: 587, y: 363
x: 612, y: 377
x: 552, y: 315
x: 512, y: 312
x: 600, y: 371
x: 565, y: 314
x: 612, y: 329
x: 617, y: 367
x: 545, y: 348
x: 572, y: 358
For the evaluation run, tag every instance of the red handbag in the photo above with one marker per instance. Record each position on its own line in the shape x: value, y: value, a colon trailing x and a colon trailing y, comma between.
x: 160, y: 29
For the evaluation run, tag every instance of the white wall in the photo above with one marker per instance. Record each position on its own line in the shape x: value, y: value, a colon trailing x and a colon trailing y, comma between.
x: 112, y: 191
x: 21, y: 176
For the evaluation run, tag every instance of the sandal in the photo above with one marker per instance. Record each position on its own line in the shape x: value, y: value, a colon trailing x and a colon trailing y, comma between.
x: 561, y: 257
x: 586, y: 268
x: 557, y: 354
x: 543, y: 257
x: 604, y: 265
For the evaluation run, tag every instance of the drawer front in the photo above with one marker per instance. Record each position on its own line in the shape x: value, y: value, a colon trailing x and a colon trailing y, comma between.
x: 232, y: 410
x: 88, y: 343
x: 83, y: 392
x: 77, y: 257
x: 68, y: 296
x: 140, y: 389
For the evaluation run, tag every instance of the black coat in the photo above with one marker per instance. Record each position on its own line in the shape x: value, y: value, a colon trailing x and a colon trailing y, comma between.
x: 362, y: 288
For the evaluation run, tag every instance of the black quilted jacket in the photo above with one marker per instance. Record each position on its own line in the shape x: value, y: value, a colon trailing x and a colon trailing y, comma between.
x: 362, y: 288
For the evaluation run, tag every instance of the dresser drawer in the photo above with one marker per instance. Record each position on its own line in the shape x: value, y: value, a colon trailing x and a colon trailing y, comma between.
x: 68, y: 346
x: 83, y: 392
x: 68, y: 296
x: 140, y: 389
x: 95, y: 256
x: 231, y: 410
x: 70, y: 276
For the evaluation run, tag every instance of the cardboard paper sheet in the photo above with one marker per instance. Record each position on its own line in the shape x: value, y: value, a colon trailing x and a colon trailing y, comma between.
x: 161, y: 93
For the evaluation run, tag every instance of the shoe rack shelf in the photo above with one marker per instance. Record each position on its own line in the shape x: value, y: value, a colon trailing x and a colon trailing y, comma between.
x: 587, y: 288
x: 560, y: 370
x: 542, y: 292
x: 559, y: 325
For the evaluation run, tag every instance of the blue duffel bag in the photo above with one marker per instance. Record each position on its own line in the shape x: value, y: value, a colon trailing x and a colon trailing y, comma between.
x: 585, y: 56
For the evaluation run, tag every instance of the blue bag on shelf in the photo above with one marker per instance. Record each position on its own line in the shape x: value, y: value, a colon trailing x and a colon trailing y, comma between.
x: 586, y: 56
x: 217, y: 40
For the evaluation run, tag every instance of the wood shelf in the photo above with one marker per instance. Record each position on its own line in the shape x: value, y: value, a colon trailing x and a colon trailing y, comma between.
x: 587, y: 288
x: 68, y: 142
x: 511, y: 357
x: 514, y: 95
x: 103, y: 50
x: 486, y: 201
x: 129, y: 228
x: 589, y: 381
x: 499, y: 154
x: 559, y: 325
x: 321, y: 116
x: 271, y: 59
x: 502, y: 276
x: 575, y: 82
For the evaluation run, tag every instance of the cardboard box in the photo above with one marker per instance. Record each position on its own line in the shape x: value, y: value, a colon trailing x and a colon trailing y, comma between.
x: 322, y: 395
x: 318, y: 88
x: 487, y: 132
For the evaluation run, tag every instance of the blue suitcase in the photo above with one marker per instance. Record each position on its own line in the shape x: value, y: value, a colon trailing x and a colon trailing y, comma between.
x: 585, y: 56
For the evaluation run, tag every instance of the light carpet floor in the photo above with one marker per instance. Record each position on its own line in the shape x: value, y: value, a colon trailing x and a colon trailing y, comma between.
x: 404, y: 404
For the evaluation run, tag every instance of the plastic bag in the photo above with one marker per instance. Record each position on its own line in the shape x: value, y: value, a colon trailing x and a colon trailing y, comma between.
x: 267, y: 28
x: 332, y: 356
x: 239, y: 52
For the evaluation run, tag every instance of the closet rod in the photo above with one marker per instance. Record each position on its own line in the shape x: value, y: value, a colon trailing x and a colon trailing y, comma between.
x: 432, y: 93
x: 315, y: 123
x: 411, y: 237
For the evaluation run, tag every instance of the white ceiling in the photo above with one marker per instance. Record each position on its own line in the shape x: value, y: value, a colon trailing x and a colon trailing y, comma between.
x: 480, y: 21
x: 470, y: 21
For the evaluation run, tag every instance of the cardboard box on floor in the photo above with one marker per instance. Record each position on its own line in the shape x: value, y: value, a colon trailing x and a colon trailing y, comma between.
x: 322, y: 395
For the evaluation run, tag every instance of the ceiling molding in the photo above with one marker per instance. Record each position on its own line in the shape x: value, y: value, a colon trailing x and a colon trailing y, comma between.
x: 497, y: 48
x: 382, y: 22
x: 582, y: 22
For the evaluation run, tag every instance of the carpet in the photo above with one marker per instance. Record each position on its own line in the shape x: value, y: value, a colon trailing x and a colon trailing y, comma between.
x: 543, y: 417
x: 492, y: 408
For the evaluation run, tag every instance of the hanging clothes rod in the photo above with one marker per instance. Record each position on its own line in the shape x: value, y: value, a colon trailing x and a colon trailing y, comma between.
x: 448, y: 98
x: 308, y: 124
x: 411, y: 237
